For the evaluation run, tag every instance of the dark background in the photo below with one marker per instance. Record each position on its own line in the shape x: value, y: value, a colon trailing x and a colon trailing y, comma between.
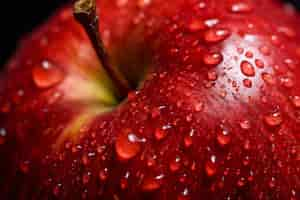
x: 21, y: 16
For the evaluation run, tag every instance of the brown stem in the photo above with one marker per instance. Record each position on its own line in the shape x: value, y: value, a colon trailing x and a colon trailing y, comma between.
x: 85, y: 13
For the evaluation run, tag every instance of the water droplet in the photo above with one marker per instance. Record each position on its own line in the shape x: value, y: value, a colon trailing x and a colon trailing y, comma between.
x: 249, y: 54
x: 159, y: 134
x: 246, y: 160
x: 128, y: 145
x: 103, y: 174
x: 245, y: 124
x: 152, y: 183
x: 86, y: 177
x: 211, y: 22
x: 47, y: 75
x: 247, y: 68
x: 212, y: 75
x: 212, y: 58
x: 216, y: 35
x: 210, y: 166
x: 241, y: 7
x: 265, y: 50
x: 247, y: 83
x: 287, y: 82
x: 296, y: 101
x: 268, y: 78
x: 3, y: 132
x: 57, y: 189
x: 199, y: 106
x: 184, y: 195
x: 175, y: 164
x: 223, y: 136
x: 241, y: 182
x: 273, y: 119
x: 188, y: 139
x: 196, y: 25
x: 259, y: 63
x: 272, y: 182
x: 24, y: 166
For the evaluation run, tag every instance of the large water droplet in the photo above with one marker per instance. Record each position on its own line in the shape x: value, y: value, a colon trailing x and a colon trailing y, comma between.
x: 216, y: 35
x: 128, y: 145
x: 47, y: 75
x: 247, y: 68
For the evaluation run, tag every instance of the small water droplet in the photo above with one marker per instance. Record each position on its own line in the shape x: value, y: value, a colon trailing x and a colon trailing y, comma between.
x: 296, y: 101
x: 103, y: 174
x: 152, y: 183
x: 273, y: 119
x: 184, y: 195
x: 212, y: 58
x: 241, y: 182
x: 47, y: 75
x: 241, y: 7
x: 24, y: 166
x: 223, y: 136
x: 265, y: 50
x: 272, y: 182
x: 216, y: 35
x: 86, y: 177
x: 249, y: 54
x: 268, y: 78
x: 210, y: 166
x: 128, y: 145
x: 259, y: 63
x: 247, y: 83
x: 57, y: 189
x: 196, y: 25
x: 245, y: 124
x: 199, y: 106
x: 175, y: 164
x: 212, y: 75
x: 247, y: 68
x: 211, y: 22
x: 159, y: 134
x: 287, y: 82
x: 188, y: 139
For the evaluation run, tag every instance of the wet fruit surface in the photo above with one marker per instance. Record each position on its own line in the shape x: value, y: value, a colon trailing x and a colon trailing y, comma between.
x: 216, y: 117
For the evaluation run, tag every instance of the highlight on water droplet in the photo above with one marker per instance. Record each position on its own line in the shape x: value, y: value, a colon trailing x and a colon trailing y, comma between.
x: 128, y: 145
x: 47, y: 74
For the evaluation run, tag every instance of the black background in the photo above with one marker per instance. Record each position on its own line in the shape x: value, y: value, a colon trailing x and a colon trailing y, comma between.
x: 21, y: 16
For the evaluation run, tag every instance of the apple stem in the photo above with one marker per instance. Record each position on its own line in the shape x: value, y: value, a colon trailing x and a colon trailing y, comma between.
x: 85, y: 13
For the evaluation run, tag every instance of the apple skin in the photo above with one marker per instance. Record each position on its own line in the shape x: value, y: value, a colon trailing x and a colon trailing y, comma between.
x: 217, y: 116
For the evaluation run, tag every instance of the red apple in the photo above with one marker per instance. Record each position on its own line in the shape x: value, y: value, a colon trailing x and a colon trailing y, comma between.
x: 216, y: 112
